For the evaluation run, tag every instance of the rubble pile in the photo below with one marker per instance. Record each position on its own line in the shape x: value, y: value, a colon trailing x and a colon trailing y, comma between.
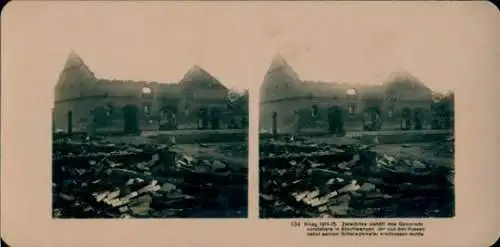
x: 445, y: 147
x: 310, y: 180
x: 97, y: 179
x: 240, y: 149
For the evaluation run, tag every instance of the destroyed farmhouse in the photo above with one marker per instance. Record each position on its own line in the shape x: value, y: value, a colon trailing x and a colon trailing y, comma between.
x: 402, y: 102
x: 361, y: 172
x: 84, y: 102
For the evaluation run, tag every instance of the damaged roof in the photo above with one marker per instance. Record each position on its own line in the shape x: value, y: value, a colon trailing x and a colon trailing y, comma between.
x: 329, y: 89
x: 75, y: 61
x: 403, y: 79
x: 75, y: 70
x: 197, y: 76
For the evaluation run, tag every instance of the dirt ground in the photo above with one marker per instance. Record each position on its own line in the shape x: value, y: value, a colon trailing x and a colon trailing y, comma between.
x: 234, y: 153
x: 418, y: 151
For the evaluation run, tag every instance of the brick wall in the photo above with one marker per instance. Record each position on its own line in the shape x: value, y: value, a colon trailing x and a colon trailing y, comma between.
x: 352, y: 121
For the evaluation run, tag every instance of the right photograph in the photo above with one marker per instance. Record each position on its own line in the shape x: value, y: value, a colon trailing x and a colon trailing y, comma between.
x: 334, y: 148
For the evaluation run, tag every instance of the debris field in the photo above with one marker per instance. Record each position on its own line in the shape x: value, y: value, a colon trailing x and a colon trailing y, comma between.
x: 303, y: 179
x: 103, y: 179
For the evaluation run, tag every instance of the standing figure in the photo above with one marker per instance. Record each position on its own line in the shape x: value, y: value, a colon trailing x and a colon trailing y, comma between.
x: 275, y: 124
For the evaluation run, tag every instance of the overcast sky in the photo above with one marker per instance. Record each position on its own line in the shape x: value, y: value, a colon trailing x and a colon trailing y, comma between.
x: 354, y: 42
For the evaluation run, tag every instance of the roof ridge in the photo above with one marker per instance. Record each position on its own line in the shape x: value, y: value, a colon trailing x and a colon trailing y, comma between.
x: 198, y: 74
x: 74, y: 60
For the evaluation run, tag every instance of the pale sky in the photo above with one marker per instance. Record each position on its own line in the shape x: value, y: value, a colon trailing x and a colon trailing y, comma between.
x: 235, y: 41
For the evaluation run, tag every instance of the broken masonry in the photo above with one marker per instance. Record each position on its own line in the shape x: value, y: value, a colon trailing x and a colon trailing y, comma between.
x: 300, y: 179
x: 100, y: 179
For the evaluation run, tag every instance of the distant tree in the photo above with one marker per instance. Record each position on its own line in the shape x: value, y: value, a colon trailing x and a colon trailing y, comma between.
x: 238, y: 101
x: 443, y: 109
x: 232, y: 95
x: 238, y: 108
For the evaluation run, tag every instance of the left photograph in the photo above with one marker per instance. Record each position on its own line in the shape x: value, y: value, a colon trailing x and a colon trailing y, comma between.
x: 147, y: 149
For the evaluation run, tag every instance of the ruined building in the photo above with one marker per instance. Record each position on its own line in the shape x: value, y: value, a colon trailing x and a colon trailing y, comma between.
x: 83, y: 102
x: 402, y: 102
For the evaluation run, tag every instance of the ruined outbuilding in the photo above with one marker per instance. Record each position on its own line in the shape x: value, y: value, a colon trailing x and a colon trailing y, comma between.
x: 84, y: 102
x: 402, y: 102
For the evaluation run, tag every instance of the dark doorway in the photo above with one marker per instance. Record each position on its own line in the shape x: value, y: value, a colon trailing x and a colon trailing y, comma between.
x: 100, y: 117
x: 418, y: 118
x: 168, y: 118
x: 215, y: 115
x: 335, y: 120
x: 130, y: 120
x: 70, y: 122
x: 304, y: 118
x: 203, y: 118
x: 406, y: 119
x: 371, y: 119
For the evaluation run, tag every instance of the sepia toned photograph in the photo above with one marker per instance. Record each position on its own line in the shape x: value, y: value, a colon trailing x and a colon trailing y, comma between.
x: 334, y: 148
x: 147, y: 149
x: 243, y: 123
